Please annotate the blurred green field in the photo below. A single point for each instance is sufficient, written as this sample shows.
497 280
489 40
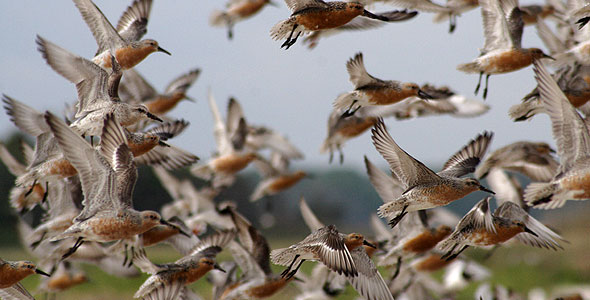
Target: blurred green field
516 267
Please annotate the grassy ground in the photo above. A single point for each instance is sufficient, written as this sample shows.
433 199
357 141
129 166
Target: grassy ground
517 267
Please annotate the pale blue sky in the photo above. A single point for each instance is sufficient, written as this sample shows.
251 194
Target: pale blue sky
290 90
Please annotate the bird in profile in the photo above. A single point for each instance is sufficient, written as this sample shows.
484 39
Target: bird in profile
11 272
502 51
423 188
369 90
97 90
236 11
570 182
125 40
108 178
532 159
139 90
479 227
314 15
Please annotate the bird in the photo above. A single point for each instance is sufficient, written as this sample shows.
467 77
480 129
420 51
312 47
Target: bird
356 24
125 40
108 178
326 245
236 11
424 188
257 137
479 227
251 255
139 90
572 80
276 176
64 277
11 272
368 282
369 90
21 198
170 279
502 51
312 15
342 129
571 136
229 158
97 90
532 159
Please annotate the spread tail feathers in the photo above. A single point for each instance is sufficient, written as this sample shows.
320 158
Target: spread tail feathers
283 29
348 102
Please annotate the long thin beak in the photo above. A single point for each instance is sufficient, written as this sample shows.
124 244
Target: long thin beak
369 244
483 188
42 273
548 56
154 117
217 267
371 15
551 150
189 99
163 144
164 222
160 49
528 230
423 95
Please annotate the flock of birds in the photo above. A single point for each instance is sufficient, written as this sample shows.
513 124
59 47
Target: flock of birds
82 170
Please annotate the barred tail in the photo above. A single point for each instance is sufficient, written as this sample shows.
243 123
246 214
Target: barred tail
392 208
348 101
283 29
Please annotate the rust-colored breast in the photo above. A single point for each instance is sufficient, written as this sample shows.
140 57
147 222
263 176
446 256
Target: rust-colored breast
578 182
482 237
353 129
233 163
326 19
426 240
509 61
157 234
142 148
62 167
128 56
111 229
443 194
10 275
385 96
247 9
269 288
578 100
164 104
195 273
431 263
285 182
